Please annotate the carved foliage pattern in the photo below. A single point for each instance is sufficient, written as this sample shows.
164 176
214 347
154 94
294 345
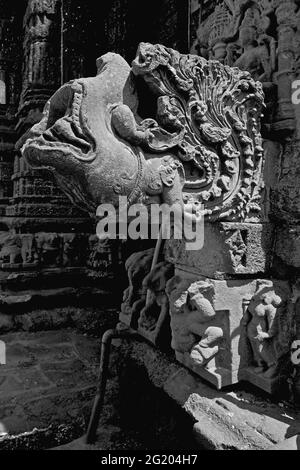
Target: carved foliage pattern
216 110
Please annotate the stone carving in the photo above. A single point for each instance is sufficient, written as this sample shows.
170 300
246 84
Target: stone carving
11 249
203 145
145 302
268 321
138 267
199 143
258 50
259 36
195 336
49 248
259 55
154 318
103 256
262 328
60 250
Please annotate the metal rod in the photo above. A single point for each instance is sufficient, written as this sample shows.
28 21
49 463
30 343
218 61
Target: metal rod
102 379
155 259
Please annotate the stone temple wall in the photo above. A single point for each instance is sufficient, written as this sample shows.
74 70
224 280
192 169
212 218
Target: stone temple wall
45 241
263 38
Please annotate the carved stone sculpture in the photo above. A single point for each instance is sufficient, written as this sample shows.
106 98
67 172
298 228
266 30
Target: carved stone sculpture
138 267
154 319
259 36
11 249
203 144
195 333
262 328
268 322
176 129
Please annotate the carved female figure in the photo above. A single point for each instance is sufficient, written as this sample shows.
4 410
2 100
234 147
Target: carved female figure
262 328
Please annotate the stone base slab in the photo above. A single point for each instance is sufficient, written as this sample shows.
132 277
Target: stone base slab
269 385
239 419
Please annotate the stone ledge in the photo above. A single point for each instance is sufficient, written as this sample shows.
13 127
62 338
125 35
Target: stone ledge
236 419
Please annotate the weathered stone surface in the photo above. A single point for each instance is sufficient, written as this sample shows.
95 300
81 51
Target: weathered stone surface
203 148
85 319
293 443
246 35
222 420
48 378
182 139
286 197
215 325
287 246
229 249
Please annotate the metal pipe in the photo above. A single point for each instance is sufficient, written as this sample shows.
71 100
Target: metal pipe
105 354
155 260
102 378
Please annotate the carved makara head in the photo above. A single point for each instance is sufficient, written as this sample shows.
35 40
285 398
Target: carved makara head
75 139
103 137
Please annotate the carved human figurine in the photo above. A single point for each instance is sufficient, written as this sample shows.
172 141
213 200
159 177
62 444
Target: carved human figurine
193 321
256 58
200 313
10 248
156 311
49 248
138 266
262 328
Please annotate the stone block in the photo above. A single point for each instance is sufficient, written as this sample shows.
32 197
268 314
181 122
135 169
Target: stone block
287 246
270 385
229 249
216 324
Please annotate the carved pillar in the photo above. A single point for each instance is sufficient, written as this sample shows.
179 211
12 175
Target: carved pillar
46 233
36 197
38 204
10 71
